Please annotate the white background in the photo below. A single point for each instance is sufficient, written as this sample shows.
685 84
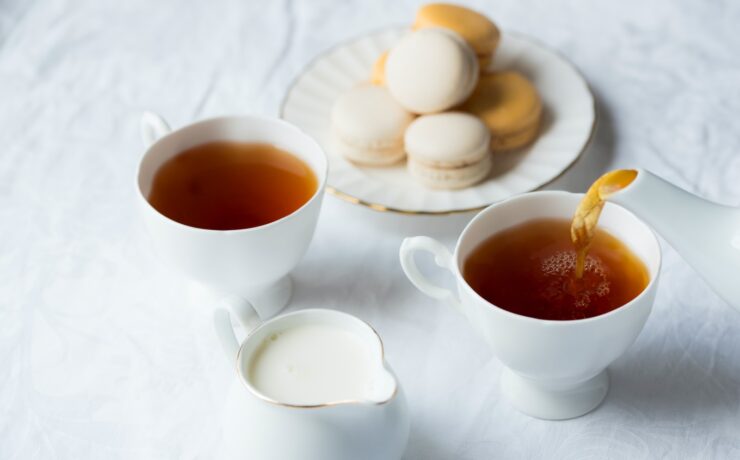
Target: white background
107 354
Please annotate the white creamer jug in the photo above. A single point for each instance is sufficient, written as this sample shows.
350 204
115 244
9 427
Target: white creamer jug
280 409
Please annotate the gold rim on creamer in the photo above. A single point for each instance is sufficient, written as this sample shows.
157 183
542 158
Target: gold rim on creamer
266 398
344 196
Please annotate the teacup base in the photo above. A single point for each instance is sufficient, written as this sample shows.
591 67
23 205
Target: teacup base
271 300
544 402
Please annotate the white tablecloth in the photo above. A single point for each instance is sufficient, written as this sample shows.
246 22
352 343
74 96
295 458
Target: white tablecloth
104 353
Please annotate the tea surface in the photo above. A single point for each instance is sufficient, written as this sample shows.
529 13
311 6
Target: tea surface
529 269
231 185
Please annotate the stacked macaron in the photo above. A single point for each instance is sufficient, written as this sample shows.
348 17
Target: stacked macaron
448 150
431 70
440 66
510 106
369 125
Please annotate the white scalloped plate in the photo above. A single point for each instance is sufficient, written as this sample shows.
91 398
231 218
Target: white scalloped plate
569 121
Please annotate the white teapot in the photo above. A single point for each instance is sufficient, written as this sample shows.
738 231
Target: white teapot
706 234
257 426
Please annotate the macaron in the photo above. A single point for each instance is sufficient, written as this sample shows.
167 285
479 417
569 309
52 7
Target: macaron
448 150
378 75
368 126
510 106
475 28
431 70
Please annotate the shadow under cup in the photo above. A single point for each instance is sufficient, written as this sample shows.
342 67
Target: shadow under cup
251 263
556 369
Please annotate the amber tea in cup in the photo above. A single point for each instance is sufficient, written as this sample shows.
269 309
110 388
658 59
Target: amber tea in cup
227 185
530 269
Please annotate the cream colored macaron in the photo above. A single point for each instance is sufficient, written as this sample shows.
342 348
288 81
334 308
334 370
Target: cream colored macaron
431 70
368 126
448 150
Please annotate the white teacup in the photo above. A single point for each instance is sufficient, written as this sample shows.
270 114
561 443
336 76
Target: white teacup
553 369
249 266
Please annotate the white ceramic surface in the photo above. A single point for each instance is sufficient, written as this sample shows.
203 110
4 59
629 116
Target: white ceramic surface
256 427
569 120
554 369
251 264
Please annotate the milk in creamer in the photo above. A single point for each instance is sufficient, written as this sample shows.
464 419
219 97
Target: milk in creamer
313 364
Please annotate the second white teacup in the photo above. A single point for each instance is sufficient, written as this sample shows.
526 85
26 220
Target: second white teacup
248 266
553 369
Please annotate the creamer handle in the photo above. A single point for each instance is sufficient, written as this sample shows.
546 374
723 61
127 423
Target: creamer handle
244 312
153 127
442 257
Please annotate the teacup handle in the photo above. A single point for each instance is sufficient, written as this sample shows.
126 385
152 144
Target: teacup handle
153 127
245 314
442 257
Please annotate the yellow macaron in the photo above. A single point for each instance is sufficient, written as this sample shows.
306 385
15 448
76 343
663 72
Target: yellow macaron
475 28
378 75
510 106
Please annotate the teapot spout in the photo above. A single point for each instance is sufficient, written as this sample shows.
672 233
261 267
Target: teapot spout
706 234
